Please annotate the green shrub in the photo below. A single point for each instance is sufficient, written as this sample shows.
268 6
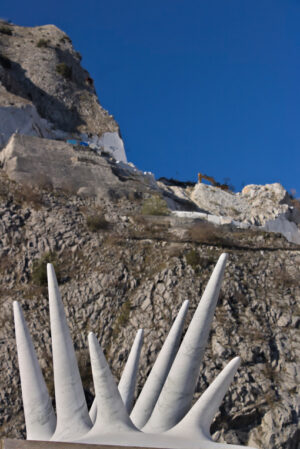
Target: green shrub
5 30
97 222
64 70
26 194
39 268
192 258
124 313
196 261
42 43
155 205
203 232
123 318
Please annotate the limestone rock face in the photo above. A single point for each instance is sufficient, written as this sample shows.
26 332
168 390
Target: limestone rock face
268 206
112 143
40 65
255 204
35 161
127 272
59 165
218 202
266 201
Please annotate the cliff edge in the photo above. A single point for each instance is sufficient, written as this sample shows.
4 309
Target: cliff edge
45 92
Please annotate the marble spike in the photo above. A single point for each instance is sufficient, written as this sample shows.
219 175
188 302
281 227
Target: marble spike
177 393
39 415
112 415
114 426
199 419
93 411
72 414
127 382
156 379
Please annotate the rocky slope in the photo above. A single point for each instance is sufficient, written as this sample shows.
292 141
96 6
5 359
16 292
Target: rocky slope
120 271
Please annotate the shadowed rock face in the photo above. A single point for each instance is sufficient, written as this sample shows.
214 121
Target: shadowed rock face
40 64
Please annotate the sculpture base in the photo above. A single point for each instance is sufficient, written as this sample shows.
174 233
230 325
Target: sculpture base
8 443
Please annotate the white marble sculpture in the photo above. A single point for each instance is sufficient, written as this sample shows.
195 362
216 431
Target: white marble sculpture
162 416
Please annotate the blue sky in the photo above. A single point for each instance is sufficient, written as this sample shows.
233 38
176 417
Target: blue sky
195 85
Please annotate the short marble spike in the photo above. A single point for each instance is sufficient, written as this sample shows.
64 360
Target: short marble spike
127 382
128 379
39 414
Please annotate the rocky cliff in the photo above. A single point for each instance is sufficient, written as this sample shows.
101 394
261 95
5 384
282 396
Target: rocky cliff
44 91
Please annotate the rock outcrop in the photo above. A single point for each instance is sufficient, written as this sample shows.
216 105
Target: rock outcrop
269 207
53 164
255 204
19 114
45 91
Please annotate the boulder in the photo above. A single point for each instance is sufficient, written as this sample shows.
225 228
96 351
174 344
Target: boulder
268 206
219 202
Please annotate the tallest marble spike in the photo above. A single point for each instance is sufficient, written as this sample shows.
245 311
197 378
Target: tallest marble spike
72 414
177 393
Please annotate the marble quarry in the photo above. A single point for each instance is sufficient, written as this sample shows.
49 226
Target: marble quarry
161 417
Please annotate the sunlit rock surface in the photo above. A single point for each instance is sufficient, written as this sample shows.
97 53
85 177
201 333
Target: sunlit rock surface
53 164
